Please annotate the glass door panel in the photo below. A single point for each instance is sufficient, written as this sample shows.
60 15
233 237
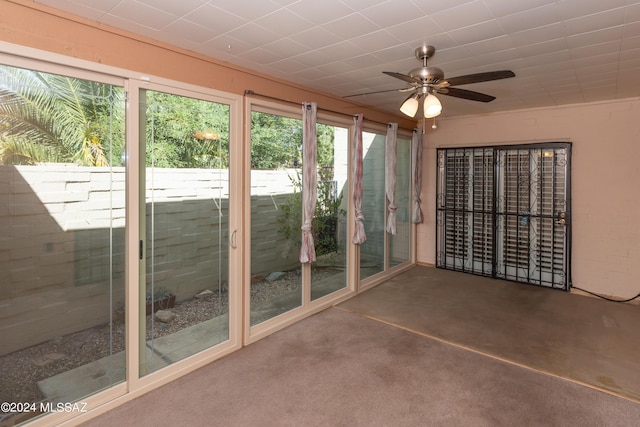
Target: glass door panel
276 209
62 247
400 243
329 228
372 252
184 309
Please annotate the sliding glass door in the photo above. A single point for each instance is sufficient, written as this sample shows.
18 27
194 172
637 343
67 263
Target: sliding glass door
278 284
62 239
184 303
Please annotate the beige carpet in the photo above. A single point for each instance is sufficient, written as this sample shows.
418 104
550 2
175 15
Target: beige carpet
341 369
584 339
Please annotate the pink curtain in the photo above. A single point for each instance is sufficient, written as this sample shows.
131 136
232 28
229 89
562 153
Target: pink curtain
309 180
416 175
359 235
390 160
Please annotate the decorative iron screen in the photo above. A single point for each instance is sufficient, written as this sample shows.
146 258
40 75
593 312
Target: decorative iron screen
504 212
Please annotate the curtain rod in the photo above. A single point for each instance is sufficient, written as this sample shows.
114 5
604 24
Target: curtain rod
251 92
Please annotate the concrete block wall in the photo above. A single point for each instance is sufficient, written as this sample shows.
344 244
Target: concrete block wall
62 241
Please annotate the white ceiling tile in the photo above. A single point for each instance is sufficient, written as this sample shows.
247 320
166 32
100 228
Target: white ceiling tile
254 34
606 52
632 13
556 45
575 8
188 31
599 93
431 7
215 18
630 56
482 31
504 58
359 5
491 45
285 3
502 8
179 8
288 66
377 40
595 22
284 22
631 30
354 25
227 46
595 37
289 45
631 43
538 17
336 68
341 51
319 12
127 25
309 75
313 58
317 37
104 5
260 56
397 54
422 27
538 34
247 9
142 15
391 13
363 61
462 16
91 10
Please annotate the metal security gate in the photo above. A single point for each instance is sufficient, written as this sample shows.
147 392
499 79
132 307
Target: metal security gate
504 212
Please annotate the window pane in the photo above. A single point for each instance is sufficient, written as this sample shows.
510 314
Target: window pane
62 219
185 305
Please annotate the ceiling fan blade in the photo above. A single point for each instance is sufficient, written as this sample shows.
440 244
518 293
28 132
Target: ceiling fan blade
404 89
466 94
404 77
478 77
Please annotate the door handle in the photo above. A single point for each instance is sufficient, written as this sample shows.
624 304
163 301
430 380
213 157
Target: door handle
561 218
232 239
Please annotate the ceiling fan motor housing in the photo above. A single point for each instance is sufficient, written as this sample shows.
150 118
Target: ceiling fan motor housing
428 75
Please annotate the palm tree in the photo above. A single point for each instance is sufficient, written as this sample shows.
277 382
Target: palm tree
52 118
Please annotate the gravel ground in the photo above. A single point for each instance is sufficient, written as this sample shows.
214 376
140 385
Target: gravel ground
20 371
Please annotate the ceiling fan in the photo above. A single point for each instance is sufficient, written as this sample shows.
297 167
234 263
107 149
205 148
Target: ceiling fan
426 81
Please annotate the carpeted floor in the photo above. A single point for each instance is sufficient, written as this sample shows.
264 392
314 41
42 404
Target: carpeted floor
338 368
584 339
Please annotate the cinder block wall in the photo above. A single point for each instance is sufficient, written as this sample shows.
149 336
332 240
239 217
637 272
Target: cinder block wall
62 242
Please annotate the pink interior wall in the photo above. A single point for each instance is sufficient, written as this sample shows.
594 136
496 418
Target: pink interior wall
605 179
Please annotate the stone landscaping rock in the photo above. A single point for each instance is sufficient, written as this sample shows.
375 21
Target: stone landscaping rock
276 275
48 358
165 316
204 294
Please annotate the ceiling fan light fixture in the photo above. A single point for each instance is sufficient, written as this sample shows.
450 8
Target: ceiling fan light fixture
432 106
410 105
